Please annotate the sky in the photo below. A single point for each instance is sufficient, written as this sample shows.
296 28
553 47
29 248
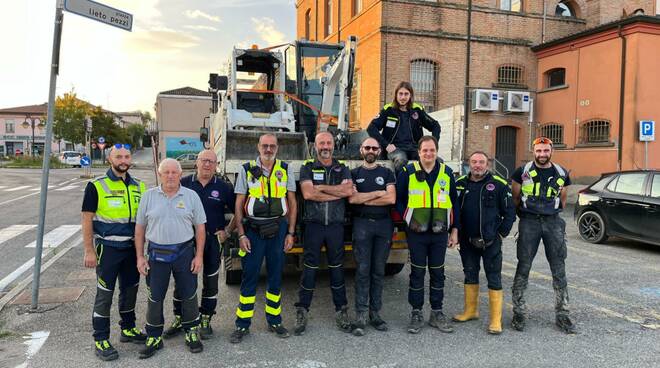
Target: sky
174 43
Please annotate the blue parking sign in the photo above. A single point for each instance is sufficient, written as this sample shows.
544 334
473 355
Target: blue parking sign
85 161
647 131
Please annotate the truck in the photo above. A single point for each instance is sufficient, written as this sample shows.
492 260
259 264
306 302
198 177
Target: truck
293 91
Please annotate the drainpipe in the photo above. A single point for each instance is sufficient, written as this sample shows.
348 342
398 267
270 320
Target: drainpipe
545 12
621 97
385 78
316 21
338 21
466 92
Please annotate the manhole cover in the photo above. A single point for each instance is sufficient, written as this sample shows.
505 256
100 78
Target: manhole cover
51 295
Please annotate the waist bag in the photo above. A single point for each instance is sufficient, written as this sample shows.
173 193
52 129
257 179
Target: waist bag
167 253
266 229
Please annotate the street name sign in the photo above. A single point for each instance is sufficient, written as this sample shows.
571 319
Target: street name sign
101 13
84 161
647 130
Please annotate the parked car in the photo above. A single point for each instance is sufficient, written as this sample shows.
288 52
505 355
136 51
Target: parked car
624 204
187 160
70 158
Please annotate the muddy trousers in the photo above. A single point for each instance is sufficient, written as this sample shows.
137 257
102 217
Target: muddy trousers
371 248
531 230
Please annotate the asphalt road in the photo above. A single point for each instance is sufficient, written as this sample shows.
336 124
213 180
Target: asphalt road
614 291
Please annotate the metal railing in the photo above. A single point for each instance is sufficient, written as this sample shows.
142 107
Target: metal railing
497 165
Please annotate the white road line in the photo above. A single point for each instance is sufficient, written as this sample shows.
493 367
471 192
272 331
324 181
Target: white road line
17 188
14 231
3 186
68 187
57 236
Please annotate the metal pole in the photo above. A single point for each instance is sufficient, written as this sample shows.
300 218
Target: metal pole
646 155
54 71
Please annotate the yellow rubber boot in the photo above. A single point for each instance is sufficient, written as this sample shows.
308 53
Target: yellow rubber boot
471 309
495 301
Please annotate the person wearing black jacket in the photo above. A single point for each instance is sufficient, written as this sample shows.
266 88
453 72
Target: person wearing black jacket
398 126
487 215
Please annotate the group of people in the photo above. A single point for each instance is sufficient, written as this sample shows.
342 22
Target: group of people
182 221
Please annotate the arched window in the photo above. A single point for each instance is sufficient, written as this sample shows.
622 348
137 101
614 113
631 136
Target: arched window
555 77
423 77
356 7
511 75
595 131
308 23
553 131
567 8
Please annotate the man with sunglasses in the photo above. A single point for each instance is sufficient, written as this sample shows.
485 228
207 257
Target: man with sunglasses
109 209
266 211
539 193
217 197
375 193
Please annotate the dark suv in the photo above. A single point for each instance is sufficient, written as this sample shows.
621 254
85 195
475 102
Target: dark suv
624 204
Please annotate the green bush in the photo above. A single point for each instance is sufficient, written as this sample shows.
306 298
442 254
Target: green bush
35 161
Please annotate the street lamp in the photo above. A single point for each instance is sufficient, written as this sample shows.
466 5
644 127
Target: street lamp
32 123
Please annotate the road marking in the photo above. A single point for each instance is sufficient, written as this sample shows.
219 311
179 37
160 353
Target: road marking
35 341
68 187
614 259
17 188
57 236
14 231
39 187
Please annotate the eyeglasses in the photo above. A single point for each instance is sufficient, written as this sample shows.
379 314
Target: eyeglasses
371 148
541 140
122 145
207 161
269 146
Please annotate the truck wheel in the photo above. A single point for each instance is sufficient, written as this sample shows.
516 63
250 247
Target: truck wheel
233 277
392 269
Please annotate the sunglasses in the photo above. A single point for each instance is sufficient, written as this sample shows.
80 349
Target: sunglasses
122 145
371 148
541 140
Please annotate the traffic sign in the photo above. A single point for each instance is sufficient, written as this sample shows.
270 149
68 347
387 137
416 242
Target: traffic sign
93 145
101 140
100 13
647 131
85 161
100 145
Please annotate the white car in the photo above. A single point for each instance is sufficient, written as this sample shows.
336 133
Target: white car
70 158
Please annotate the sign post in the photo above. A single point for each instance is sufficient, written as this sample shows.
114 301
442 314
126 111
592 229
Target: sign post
646 135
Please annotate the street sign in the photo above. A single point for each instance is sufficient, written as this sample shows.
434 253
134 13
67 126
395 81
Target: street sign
84 161
101 140
647 131
101 146
100 13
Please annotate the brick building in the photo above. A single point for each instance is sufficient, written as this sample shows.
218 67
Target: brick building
426 43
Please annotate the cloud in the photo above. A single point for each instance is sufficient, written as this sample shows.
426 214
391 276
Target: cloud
194 14
161 39
253 3
265 28
200 28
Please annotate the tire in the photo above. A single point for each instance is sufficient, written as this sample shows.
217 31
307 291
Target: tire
392 269
233 277
591 227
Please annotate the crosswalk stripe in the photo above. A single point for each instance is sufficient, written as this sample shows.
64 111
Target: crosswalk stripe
14 231
17 188
68 187
57 236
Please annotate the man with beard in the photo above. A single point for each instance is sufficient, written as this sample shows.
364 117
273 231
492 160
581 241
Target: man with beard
266 211
217 197
487 215
539 193
171 218
109 208
325 183
372 234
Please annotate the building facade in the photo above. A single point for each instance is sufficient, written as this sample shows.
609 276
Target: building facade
594 89
426 43
179 115
19 138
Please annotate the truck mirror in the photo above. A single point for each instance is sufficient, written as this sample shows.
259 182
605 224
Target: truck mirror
204 134
218 82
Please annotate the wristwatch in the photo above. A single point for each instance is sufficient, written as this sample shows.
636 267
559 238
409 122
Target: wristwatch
291 233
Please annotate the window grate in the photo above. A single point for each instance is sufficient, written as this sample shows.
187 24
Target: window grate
555 132
511 74
595 131
555 77
423 79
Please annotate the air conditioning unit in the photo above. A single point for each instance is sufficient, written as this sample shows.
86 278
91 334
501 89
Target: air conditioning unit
516 101
485 100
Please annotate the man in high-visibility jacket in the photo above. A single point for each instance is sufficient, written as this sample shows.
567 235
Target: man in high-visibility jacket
109 208
266 213
539 193
426 198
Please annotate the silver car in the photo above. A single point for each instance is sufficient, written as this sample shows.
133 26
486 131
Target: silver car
188 160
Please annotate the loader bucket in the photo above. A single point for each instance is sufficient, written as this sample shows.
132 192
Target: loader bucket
242 145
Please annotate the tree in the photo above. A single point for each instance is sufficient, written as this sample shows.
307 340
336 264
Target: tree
103 125
135 133
69 119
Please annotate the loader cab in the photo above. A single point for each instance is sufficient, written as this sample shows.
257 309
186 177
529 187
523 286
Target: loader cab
256 70
305 68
